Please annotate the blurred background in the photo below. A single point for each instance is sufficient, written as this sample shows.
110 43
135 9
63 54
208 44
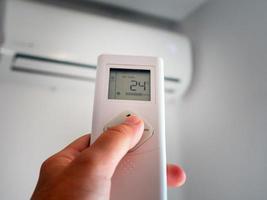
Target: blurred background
215 83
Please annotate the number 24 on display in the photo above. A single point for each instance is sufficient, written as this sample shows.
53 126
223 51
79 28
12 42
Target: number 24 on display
135 84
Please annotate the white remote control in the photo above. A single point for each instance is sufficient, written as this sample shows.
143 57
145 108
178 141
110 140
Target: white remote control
127 85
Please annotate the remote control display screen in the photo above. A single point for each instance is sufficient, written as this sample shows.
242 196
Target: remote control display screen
129 84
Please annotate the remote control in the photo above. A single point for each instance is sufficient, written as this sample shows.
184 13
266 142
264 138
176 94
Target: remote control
134 85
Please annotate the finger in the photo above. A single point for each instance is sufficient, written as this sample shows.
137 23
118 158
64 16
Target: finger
79 144
74 149
113 144
65 156
176 176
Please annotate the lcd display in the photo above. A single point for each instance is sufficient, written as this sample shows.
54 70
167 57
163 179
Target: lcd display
129 84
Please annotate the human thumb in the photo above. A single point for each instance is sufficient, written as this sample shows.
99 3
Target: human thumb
111 146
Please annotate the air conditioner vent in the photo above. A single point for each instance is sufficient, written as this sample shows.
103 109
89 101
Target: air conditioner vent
52 67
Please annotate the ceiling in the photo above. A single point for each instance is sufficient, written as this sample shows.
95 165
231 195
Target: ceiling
171 9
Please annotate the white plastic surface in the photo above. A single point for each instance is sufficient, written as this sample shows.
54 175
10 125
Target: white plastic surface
55 68
41 29
142 173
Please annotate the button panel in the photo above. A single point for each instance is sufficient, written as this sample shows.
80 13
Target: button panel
148 130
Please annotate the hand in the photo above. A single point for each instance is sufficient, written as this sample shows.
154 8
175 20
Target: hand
80 172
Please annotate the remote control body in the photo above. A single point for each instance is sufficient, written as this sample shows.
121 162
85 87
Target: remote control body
134 85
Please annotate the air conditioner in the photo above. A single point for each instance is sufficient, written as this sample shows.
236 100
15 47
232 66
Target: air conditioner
41 38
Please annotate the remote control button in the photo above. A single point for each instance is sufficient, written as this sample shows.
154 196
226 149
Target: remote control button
148 130
118 120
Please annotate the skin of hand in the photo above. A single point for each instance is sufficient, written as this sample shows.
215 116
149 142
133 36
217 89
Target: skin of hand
81 172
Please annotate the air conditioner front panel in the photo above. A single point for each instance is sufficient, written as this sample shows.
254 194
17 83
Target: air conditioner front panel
59 33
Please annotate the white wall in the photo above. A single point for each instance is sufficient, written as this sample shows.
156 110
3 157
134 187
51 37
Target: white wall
224 117
1 21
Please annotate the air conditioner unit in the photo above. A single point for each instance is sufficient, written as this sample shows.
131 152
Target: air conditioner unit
41 38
